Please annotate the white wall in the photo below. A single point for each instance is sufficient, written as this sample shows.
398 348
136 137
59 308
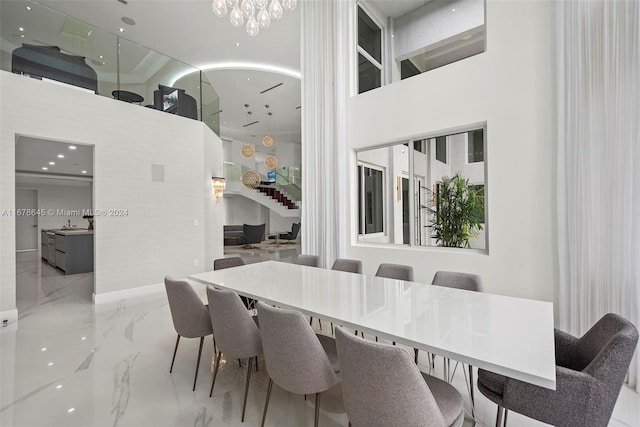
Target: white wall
433 23
159 236
239 210
512 87
58 197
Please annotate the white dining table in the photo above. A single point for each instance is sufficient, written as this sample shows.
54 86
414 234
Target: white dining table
506 335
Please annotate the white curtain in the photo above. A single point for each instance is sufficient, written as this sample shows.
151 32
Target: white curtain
324 52
598 55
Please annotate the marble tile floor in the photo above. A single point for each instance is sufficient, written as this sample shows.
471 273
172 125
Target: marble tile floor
70 363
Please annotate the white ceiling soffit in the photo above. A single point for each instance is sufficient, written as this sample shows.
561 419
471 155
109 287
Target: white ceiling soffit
32 154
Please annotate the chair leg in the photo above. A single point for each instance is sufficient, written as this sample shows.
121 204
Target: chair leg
266 403
320 323
415 352
499 416
472 394
198 363
174 354
310 321
506 412
317 417
246 388
215 372
256 363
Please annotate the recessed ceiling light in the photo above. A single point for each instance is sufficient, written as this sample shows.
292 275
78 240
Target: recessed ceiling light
21 29
453 10
248 78
59 386
28 7
121 30
101 57
70 410
44 349
72 147
84 172
50 364
44 168
22 35
61 156
52 163
237 44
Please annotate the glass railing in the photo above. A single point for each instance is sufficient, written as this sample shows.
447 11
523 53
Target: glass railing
42 43
287 180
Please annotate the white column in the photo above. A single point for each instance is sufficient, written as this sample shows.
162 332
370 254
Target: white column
325 45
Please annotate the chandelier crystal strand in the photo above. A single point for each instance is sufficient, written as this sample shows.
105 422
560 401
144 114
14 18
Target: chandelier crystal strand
275 9
253 28
236 17
263 18
289 4
258 13
219 7
247 8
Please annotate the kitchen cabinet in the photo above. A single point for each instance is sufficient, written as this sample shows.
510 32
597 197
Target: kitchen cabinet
69 250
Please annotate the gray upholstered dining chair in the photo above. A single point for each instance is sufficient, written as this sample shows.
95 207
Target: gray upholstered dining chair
190 316
222 263
236 333
348 265
296 358
382 387
395 271
589 374
308 260
467 282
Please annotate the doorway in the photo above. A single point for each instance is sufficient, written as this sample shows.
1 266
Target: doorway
26 220
54 190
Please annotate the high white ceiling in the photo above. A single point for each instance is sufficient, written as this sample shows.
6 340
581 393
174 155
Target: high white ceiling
189 31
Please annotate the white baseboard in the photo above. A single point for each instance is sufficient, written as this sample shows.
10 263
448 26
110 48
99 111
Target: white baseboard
11 318
141 292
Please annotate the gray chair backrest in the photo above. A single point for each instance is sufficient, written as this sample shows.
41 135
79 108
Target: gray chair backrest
452 279
222 263
254 233
395 271
294 357
295 229
310 260
382 386
237 335
348 265
190 316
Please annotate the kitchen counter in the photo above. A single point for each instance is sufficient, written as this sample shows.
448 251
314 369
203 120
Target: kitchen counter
70 250
69 232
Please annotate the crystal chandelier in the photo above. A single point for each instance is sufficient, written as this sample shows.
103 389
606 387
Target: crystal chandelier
258 13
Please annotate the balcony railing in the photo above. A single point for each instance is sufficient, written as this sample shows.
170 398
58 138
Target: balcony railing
42 43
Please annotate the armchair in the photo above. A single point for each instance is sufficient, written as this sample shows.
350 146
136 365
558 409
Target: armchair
293 234
589 374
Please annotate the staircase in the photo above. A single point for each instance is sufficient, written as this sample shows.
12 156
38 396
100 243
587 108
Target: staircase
277 196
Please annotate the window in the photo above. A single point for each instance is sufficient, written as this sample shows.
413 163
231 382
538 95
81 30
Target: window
422 192
475 146
441 149
369 53
371 200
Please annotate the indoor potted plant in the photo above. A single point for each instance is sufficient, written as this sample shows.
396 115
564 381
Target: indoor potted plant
456 212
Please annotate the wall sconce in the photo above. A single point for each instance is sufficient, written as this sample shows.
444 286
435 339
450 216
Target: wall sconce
218 185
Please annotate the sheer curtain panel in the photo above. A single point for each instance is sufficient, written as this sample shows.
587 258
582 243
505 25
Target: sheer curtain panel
598 62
